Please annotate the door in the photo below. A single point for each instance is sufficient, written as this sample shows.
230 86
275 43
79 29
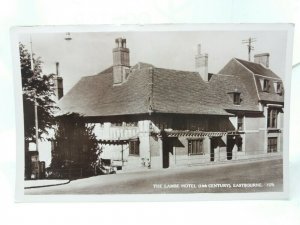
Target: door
230 145
167 149
212 149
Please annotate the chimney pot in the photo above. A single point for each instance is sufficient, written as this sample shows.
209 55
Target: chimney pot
121 62
57 68
201 61
58 84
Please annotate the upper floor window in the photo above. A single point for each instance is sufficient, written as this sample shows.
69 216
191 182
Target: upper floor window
278 88
266 85
272 117
240 123
236 98
131 124
117 124
197 124
162 123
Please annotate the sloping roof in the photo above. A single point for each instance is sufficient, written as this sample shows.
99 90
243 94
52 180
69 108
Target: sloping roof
96 95
257 68
259 72
177 91
226 84
147 89
271 95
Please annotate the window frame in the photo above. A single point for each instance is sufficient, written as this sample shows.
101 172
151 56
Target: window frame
272 118
197 144
272 141
266 85
134 147
236 98
278 88
240 120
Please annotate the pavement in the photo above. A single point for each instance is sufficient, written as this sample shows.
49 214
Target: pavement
43 183
258 176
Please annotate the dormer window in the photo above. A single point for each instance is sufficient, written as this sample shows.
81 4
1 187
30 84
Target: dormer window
236 98
278 88
266 85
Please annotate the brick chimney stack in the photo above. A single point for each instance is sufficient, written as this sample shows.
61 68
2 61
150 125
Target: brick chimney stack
262 58
121 63
58 83
201 62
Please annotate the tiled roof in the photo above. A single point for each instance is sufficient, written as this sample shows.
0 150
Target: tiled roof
234 67
147 89
226 84
258 69
96 95
177 91
271 95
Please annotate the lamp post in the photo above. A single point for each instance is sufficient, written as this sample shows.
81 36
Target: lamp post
35 101
36 122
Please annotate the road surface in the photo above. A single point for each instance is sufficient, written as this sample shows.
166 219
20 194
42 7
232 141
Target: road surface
262 176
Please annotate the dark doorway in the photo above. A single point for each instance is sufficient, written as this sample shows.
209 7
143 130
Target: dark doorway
212 149
230 145
167 148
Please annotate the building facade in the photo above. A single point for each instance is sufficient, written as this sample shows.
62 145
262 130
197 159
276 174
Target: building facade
149 117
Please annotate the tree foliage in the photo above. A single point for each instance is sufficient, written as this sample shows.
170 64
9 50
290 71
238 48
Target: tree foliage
36 87
74 146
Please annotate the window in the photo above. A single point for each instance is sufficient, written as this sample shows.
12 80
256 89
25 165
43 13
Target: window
239 144
117 124
195 147
272 144
266 86
162 123
236 98
272 118
278 88
240 123
132 124
196 124
134 147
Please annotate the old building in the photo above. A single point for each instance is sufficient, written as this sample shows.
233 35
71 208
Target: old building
149 117
37 167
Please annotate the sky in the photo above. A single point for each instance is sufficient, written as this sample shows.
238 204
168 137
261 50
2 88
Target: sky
90 53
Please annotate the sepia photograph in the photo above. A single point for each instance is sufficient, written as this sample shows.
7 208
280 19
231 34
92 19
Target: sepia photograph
185 110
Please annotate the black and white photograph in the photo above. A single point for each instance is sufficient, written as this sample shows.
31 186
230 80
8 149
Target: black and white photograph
128 111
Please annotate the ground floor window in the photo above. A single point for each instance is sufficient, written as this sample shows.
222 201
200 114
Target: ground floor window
134 147
272 144
239 144
195 147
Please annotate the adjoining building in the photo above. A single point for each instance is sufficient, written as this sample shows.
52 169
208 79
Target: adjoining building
37 167
150 117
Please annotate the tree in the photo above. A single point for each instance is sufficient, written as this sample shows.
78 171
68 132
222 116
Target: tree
74 147
38 88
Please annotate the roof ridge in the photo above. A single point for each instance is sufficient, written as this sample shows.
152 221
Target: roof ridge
186 71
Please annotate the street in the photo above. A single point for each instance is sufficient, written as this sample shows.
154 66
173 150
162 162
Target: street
261 176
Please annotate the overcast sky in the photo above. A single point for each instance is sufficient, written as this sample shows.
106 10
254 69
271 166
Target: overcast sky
90 53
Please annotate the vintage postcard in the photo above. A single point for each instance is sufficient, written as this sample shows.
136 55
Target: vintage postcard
152 112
